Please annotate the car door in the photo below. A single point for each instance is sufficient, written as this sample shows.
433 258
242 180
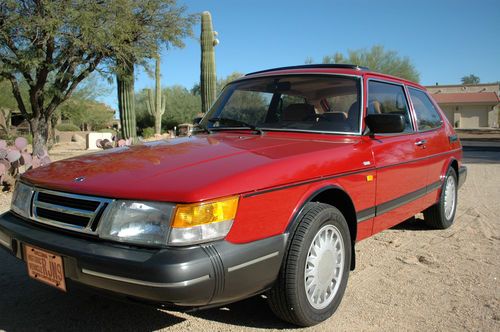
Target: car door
401 177
431 133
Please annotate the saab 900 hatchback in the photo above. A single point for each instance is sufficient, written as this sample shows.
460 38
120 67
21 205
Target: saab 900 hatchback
286 172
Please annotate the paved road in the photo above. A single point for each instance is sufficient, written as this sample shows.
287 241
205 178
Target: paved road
485 152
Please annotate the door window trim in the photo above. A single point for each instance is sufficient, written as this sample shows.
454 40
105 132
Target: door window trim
406 95
415 112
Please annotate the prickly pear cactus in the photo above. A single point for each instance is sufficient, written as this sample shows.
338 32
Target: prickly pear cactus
208 78
16 159
106 144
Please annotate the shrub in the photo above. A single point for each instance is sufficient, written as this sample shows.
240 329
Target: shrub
67 127
148 132
107 130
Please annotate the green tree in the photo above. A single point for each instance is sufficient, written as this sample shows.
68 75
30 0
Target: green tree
378 59
87 114
221 83
181 106
8 104
470 79
82 108
7 100
54 45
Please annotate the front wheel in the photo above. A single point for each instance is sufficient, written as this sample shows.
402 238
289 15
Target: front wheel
442 214
315 270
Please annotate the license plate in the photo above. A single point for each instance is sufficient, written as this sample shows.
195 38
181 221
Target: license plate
45 266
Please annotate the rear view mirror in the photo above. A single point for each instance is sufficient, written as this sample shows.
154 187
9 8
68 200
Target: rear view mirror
279 87
385 123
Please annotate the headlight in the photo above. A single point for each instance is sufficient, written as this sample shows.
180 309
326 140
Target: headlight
137 222
201 222
21 199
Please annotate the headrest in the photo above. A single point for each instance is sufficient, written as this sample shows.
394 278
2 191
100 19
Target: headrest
353 110
298 112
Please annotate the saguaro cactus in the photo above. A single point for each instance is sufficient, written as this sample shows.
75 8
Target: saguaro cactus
126 104
156 104
208 78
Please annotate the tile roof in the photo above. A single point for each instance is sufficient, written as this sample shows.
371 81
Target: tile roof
466 97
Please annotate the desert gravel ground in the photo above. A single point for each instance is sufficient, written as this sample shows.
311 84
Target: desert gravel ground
407 278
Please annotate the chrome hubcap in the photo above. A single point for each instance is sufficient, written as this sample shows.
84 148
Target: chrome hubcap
324 267
449 197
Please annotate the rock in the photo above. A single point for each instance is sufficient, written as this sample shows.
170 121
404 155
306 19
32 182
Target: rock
77 138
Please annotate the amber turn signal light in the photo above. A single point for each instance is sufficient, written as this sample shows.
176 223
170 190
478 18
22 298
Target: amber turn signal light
189 215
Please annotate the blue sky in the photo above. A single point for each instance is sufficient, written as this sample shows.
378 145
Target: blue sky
445 39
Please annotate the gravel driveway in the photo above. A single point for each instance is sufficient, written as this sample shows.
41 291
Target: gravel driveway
407 278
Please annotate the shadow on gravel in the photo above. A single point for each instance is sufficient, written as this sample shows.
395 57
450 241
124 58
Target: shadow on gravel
412 224
27 305
253 312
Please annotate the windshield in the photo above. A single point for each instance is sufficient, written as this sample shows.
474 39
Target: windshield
293 102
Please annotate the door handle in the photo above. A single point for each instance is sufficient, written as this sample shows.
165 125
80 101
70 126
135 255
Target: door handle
420 142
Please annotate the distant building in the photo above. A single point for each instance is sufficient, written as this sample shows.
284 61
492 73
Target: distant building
469 106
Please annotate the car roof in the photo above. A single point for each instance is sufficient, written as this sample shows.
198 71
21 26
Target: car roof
346 69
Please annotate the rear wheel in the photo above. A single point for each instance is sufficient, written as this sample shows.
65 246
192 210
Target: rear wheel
315 270
442 214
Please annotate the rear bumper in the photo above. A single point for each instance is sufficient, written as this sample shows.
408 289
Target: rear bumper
462 175
197 276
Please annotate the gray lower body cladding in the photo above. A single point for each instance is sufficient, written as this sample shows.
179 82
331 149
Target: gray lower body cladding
197 276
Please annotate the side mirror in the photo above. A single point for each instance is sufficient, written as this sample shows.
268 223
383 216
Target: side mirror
197 120
385 123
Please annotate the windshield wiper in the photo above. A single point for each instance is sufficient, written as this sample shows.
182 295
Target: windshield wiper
237 123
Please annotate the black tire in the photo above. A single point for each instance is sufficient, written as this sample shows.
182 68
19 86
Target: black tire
288 298
435 216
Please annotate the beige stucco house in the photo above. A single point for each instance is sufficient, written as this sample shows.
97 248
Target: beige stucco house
469 106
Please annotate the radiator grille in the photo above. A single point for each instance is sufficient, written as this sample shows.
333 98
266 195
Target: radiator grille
69 211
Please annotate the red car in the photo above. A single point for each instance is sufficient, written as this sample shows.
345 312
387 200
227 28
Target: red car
287 171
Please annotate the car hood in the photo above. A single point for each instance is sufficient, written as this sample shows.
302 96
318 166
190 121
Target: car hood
196 168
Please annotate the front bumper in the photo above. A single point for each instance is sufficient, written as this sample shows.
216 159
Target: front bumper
201 275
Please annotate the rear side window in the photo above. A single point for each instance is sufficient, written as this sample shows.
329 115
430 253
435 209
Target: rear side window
427 114
390 99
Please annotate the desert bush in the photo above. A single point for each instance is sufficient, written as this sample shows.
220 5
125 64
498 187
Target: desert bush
148 132
108 130
67 127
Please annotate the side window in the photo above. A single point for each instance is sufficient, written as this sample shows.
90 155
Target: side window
388 98
427 115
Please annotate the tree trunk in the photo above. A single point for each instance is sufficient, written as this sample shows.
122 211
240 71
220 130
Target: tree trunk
40 134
